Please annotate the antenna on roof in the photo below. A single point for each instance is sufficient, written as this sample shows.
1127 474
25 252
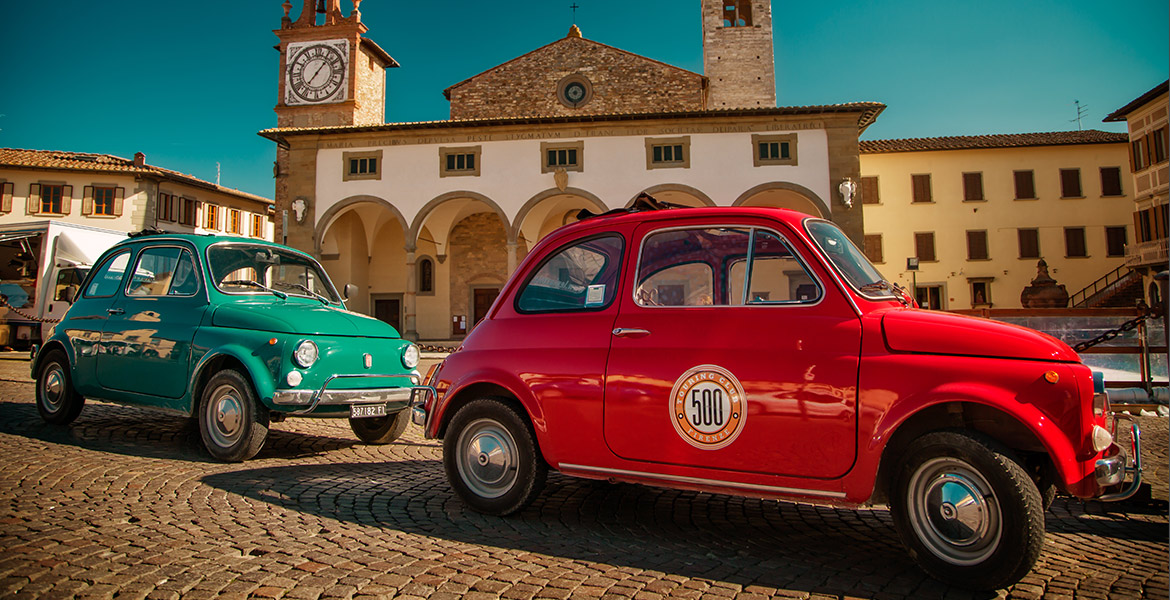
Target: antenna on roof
217 173
1080 113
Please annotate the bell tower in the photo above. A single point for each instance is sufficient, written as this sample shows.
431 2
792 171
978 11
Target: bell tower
330 75
737 53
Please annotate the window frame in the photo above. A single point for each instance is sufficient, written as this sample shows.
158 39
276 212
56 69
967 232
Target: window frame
684 142
870 190
1109 243
98 269
257 220
1069 242
419 276
1120 185
927 188
210 219
474 151
933 246
775 138
986 283
970 192
366 155
881 254
191 254
1020 242
578 145
986 245
618 264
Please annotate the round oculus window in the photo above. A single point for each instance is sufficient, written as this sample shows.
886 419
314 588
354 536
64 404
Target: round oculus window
574 91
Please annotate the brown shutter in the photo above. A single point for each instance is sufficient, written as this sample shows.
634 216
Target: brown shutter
976 245
869 190
924 246
6 197
66 199
119 196
873 247
87 200
972 186
33 202
921 187
1132 157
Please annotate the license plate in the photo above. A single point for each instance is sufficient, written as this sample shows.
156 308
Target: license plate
358 411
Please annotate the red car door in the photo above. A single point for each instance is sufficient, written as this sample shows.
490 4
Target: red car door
707 371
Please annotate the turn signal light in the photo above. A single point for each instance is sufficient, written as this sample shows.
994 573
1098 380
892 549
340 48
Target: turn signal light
1052 377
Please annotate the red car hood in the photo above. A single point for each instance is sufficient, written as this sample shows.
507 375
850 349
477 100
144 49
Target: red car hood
931 332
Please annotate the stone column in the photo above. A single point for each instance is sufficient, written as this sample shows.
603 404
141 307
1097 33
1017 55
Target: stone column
511 245
410 298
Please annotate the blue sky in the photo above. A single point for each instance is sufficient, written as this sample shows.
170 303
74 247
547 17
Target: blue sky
190 84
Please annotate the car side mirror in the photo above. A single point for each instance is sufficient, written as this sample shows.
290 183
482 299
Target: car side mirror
349 291
66 295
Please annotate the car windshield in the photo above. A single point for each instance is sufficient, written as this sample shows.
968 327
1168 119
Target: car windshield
253 268
850 262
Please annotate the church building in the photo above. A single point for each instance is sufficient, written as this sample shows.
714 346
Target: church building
429 219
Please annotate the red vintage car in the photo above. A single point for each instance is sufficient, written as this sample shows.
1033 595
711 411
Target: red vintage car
756 352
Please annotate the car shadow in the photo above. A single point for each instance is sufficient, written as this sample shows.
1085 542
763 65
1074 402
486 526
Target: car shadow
142 432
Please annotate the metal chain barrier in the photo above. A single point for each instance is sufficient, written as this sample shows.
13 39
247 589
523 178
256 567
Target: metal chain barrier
1150 312
4 302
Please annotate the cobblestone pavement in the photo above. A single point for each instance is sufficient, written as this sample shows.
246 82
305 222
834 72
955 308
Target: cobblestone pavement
125 504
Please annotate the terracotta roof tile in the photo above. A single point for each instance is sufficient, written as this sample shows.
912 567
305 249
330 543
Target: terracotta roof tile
1009 140
106 163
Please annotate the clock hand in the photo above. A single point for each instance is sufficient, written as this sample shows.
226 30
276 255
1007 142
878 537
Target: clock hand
314 76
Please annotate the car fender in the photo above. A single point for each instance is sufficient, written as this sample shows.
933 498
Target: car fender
256 371
1049 434
49 346
456 390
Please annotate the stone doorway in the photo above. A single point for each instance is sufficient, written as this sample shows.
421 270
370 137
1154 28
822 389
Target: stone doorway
482 299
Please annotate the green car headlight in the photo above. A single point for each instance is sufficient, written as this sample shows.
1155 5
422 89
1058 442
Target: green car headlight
410 356
305 354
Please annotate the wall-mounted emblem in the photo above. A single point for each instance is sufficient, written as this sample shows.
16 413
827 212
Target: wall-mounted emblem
708 407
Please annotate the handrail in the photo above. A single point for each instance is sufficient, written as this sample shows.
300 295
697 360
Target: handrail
1097 286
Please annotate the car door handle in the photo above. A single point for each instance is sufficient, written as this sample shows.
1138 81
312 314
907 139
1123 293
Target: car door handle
624 331
115 311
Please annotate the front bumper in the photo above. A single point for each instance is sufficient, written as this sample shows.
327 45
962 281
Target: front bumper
1113 470
311 399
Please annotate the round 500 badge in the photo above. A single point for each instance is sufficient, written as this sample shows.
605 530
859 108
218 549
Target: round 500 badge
707 407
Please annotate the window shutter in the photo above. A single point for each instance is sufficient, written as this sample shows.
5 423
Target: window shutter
924 246
6 197
972 186
87 200
869 190
66 199
119 195
33 202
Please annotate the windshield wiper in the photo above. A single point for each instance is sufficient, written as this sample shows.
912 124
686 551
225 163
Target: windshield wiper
305 288
249 282
898 291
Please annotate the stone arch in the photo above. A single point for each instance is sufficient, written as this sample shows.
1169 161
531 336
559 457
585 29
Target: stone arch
421 217
665 191
514 230
786 195
340 208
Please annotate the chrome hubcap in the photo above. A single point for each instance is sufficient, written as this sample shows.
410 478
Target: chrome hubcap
954 511
53 388
487 458
225 415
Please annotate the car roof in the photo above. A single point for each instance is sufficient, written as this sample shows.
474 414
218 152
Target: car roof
635 215
200 241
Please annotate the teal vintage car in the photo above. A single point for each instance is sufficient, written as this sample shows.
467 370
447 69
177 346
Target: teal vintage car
235 333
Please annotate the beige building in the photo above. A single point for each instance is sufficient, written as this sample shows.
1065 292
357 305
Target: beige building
124 195
979 212
430 219
1149 164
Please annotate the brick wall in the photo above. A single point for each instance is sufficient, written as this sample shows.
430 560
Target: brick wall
477 253
739 61
621 83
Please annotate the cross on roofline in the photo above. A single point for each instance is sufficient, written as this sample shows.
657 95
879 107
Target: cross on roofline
574 7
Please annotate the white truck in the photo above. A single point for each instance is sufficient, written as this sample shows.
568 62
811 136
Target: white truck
42 265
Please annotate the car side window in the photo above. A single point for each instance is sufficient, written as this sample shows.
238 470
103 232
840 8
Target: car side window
776 276
685 267
581 276
164 271
108 278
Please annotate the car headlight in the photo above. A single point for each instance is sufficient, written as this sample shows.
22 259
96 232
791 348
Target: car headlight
305 354
1101 438
410 356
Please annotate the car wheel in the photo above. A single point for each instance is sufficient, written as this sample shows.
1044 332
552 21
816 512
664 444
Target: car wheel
491 458
232 423
968 512
57 401
380 430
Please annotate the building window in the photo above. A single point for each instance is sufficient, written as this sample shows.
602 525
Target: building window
924 247
233 221
457 162
930 297
1070 183
873 248
668 153
102 201
1139 154
165 210
1074 242
920 184
361 165
186 212
426 276
737 13
568 156
1115 240
211 217
777 149
972 187
49 199
977 245
1158 145
1025 185
980 291
257 226
1029 243
869 190
1111 181
6 190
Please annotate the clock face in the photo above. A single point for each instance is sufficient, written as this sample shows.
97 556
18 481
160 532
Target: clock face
317 72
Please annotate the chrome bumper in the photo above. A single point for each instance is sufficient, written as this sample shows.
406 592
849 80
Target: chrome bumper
419 414
1113 470
311 399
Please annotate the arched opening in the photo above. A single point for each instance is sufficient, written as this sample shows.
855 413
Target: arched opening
683 195
785 195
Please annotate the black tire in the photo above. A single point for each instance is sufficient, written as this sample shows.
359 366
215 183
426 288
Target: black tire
232 422
990 539
57 401
491 458
381 430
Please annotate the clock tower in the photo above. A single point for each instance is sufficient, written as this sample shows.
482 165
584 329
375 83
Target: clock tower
330 75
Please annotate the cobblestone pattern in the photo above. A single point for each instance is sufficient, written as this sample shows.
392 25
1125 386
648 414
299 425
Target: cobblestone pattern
126 504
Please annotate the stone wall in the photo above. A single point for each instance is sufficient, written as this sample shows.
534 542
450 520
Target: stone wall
738 61
620 82
478 256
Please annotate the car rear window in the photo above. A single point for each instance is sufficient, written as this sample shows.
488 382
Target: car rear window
580 276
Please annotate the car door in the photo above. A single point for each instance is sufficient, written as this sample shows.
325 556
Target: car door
729 352
146 341
86 319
